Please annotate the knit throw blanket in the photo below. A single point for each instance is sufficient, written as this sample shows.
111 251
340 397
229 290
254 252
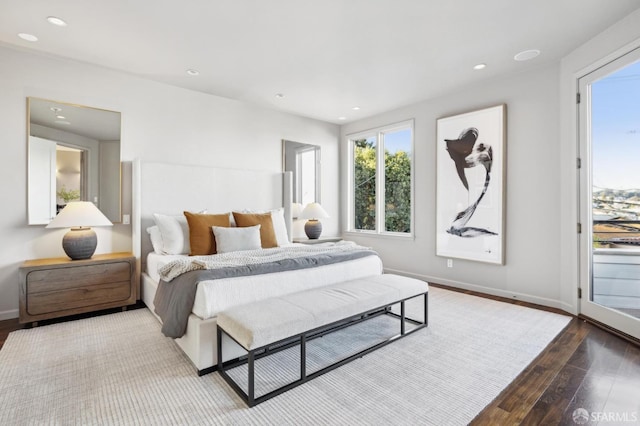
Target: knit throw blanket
252 257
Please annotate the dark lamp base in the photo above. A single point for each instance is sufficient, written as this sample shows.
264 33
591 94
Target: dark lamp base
80 243
313 229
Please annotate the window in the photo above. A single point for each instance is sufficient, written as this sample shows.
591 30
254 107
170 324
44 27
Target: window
381 180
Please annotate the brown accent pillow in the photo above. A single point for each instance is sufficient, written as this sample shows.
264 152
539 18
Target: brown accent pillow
267 234
201 236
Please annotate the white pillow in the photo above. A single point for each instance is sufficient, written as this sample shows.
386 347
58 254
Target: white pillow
156 238
236 239
174 231
279 226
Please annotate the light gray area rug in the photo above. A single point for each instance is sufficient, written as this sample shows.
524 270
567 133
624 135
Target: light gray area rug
119 369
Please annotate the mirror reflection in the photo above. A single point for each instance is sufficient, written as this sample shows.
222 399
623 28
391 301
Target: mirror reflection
74 155
303 160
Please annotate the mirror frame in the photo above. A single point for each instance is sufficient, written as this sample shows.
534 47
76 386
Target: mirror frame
113 217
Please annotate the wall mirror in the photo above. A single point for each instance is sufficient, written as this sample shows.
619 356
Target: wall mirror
303 160
73 155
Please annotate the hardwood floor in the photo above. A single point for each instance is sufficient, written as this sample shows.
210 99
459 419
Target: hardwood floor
7 327
583 367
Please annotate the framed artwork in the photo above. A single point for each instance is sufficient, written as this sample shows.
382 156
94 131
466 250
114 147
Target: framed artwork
470 194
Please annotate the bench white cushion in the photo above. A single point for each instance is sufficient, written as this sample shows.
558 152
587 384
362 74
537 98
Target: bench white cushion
267 321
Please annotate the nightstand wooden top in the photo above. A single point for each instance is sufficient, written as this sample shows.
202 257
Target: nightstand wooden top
106 257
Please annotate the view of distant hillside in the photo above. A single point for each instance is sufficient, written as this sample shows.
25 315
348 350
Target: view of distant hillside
616 218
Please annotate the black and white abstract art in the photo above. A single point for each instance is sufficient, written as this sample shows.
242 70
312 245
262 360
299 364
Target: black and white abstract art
470 217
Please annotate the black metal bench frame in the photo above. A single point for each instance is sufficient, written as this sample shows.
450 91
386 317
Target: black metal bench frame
301 339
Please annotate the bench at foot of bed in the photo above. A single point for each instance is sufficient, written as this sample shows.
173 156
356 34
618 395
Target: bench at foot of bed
274 324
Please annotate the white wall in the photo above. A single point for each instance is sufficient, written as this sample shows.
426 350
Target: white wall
532 269
159 123
109 181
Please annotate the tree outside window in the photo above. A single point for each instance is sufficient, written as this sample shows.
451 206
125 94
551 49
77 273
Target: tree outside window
382 180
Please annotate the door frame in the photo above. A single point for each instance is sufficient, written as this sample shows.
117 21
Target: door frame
608 316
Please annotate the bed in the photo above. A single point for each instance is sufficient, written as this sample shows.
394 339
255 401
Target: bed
170 189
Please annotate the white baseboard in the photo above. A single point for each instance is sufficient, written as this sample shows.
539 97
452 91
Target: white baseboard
5 315
573 310
551 303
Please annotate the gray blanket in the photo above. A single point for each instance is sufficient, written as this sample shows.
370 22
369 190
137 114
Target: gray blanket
174 300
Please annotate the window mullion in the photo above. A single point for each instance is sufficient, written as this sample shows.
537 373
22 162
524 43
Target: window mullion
380 187
351 196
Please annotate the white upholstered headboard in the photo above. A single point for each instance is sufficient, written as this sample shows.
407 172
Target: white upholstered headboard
173 188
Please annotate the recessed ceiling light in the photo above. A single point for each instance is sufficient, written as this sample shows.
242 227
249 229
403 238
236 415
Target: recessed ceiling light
342 118
279 95
66 123
55 109
355 108
479 66
60 117
525 55
56 21
191 71
28 37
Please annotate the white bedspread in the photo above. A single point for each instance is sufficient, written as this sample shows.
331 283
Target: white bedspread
218 295
215 296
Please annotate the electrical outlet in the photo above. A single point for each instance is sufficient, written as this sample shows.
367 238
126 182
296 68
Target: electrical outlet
449 263
126 219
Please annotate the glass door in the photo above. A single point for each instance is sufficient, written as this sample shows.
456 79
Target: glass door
609 179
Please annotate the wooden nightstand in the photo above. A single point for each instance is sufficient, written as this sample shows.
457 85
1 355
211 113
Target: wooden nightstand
317 241
52 288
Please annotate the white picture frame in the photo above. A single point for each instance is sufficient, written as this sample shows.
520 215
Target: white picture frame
471 185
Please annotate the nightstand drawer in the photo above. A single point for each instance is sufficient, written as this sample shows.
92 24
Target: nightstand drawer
81 297
57 287
76 277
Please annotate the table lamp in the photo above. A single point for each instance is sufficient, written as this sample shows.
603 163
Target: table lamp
81 241
313 227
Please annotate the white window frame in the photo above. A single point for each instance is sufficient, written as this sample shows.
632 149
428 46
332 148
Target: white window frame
379 133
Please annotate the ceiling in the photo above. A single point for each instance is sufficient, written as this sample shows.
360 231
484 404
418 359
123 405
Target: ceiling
324 56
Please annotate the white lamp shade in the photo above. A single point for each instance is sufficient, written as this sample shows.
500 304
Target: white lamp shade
79 213
313 211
